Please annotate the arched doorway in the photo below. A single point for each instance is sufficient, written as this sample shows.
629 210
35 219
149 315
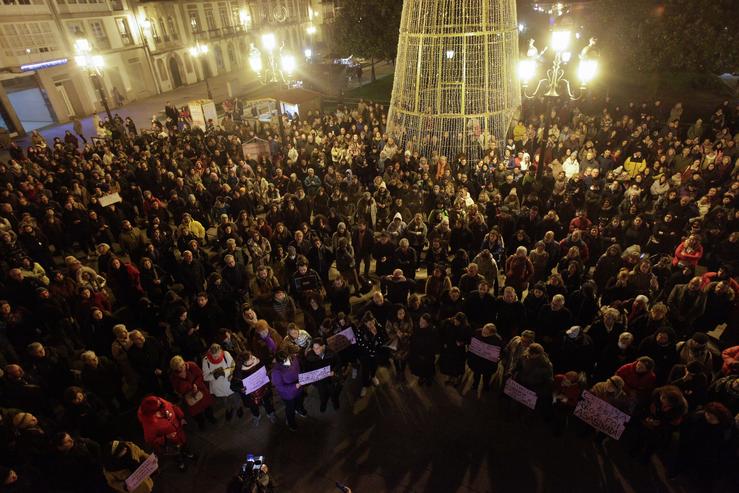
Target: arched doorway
175 71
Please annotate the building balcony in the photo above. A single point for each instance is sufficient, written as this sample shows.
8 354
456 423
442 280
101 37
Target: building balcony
24 10
219 32
84 8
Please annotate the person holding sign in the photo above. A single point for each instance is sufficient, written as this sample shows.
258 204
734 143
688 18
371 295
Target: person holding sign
535 372
120 460
285 376
483 368
247 364
320 357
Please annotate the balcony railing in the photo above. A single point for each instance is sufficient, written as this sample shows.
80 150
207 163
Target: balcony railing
81 8
33 9
220 32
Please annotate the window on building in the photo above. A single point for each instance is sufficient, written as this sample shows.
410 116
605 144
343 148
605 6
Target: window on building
76 29
172 28
219 58
100 37
154 31
163 28
162 70
194 21
210 20
19 39
123 31
232 59
225 18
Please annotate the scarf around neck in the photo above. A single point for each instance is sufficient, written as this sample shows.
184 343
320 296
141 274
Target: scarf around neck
216 360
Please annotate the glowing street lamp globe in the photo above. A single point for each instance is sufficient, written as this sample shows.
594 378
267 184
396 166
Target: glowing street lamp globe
269 42
560 40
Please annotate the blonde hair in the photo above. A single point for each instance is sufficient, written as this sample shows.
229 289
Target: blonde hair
176 362
88 356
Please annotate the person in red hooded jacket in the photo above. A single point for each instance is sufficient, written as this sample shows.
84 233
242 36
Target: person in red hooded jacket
163 424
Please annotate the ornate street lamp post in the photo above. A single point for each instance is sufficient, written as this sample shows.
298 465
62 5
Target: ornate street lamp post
199 51
93 65
554 84
277 71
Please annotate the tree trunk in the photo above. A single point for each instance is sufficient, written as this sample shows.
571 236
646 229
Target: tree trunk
372 61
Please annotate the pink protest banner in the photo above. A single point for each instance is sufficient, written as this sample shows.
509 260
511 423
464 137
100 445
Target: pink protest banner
314 376
341 340
519 393
256 380
142 472
601 415
484 350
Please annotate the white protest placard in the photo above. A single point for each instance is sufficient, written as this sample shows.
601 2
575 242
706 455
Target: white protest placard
341 340
601 415
111 198
314 376
484 350
519 393
142 472
256 380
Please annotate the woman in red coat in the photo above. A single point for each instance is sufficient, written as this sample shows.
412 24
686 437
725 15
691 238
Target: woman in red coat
163 424
187 381
689 252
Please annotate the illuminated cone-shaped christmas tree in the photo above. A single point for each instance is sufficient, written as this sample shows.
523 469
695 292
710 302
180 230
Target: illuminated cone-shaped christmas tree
455 87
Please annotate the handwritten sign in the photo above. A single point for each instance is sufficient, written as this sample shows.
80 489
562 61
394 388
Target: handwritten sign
484 350
314 376
519 393
601 415
111 198
341 340
142 472
256 380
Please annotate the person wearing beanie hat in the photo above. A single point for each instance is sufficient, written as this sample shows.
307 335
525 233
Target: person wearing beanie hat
163 425
695 349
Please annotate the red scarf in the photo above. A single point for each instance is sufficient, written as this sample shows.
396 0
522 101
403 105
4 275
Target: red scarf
215 361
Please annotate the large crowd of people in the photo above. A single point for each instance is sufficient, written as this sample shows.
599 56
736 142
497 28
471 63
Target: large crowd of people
146 274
